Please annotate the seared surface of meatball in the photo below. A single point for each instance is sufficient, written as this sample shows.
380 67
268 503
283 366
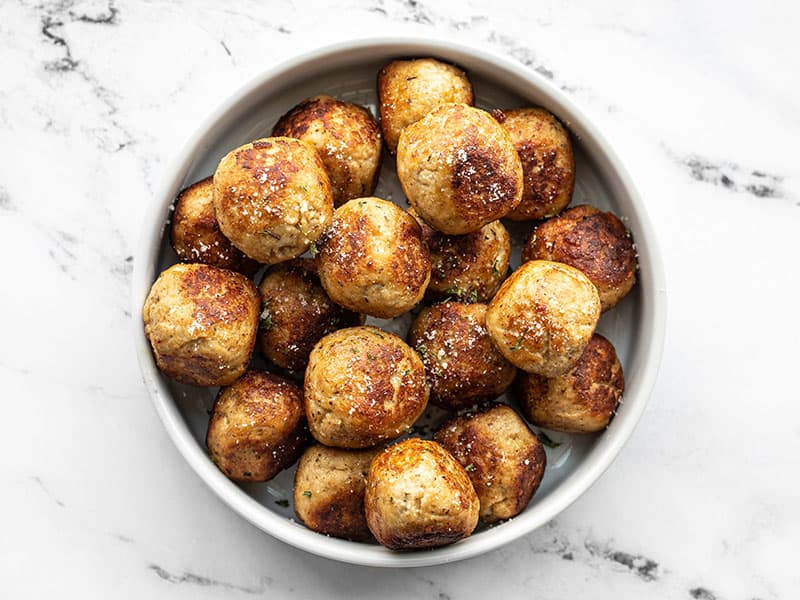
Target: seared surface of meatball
363 386
345 136
543 316
468 267
504 459
273 198
296 313
372 259
195 234
548 164
410 89
419 496
459 169
201 322
462 364
593 241
257 427
329 491
583 399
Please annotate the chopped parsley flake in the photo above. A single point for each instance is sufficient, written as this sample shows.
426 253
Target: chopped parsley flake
282 502
545 439
307 493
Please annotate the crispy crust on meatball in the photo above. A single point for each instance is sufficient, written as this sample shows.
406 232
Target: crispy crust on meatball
273 198
296 313
459 169
201 322
548 163
347 139
543 316
372 260
582 400
363 386
195 234
593 241
257 427
419 496
504 459
329 491
462 364
410 89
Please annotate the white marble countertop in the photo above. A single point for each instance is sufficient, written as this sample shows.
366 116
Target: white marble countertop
699 98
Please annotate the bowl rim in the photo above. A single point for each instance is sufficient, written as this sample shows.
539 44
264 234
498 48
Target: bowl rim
291 532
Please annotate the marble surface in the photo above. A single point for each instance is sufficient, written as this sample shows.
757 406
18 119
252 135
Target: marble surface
700 100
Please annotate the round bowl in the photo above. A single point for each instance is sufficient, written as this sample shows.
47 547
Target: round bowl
348 70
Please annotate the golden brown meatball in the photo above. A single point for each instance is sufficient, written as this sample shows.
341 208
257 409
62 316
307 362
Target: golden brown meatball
548 164
593 241
257 427
419 496
363 386
409 89
543 316
462 364
372 260
202 322
329 491
195 234
468 267
346 138
296 313
583 399
273 198
504 459
459 169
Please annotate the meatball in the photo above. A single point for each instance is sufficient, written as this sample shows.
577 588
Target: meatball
593 241
363 386
372 260
467 267
419 496
462 364
201 322
329 491
296 313
504 459
548 164
195 233
273 198
346 138
257 427
583 399
459 169
543 316
410 89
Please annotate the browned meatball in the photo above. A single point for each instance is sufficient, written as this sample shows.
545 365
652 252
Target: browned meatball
468 267
583 399
273 198
593 241
202 322
346 138
410 89
372 260
502 456
363 386
195 234
296 313
257 427
419 496
462 364
329 491
548 163
459 169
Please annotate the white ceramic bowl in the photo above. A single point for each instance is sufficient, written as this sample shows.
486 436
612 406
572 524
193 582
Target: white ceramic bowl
348 70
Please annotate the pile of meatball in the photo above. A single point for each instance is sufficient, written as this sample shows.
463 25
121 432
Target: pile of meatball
478 328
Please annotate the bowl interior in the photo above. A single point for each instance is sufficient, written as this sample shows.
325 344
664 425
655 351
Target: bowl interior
349 73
